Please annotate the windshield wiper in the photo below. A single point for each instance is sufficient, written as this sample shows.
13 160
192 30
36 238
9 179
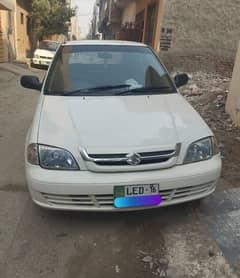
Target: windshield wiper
95 89
143 90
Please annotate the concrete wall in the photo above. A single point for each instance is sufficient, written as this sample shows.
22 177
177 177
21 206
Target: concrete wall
233 101
203 28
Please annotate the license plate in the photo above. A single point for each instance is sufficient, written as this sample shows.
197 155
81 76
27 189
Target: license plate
141 190
136 195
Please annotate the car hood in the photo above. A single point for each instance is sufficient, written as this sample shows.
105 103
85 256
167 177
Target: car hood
119 123
43 52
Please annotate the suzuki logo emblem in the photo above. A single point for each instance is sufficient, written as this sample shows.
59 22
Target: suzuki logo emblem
133 159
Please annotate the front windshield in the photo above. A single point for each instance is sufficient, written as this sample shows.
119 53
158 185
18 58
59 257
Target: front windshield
48 45
106 70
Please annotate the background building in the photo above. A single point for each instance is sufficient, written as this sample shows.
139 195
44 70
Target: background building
7 43
93 30
74 30
17 41
188 34
22 30
14 30
135 20
200 34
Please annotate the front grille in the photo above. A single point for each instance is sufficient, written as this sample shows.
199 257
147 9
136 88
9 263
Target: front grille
108 160
80 200
183 192
106 200
122 159
45 57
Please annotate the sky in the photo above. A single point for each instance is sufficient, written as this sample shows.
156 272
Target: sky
84 12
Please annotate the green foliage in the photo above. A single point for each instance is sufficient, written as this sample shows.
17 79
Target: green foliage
50 17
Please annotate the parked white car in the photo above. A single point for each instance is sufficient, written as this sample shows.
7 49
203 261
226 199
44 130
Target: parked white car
111 132
44 54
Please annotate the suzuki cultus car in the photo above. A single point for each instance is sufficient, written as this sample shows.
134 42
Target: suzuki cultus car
44 54
111 132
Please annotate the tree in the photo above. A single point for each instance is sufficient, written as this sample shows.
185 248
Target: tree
50 17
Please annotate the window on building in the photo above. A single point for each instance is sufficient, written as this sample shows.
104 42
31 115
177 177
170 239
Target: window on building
22 18
28 25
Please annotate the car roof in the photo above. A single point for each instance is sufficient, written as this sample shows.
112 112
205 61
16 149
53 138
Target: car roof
104 42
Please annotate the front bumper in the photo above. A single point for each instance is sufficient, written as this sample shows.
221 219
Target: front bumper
85 190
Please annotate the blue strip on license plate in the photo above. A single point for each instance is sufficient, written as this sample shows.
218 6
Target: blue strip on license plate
139 201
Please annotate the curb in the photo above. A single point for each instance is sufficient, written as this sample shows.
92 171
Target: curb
15 68
25 65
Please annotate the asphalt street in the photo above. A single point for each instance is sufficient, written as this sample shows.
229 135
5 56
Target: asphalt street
197 239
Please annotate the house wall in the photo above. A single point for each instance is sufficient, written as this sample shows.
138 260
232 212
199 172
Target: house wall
3 36
7 47
233 101
142 4
23 46
200 28
7 5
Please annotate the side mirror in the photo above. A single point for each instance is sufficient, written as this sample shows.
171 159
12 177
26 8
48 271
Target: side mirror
181 80
31 82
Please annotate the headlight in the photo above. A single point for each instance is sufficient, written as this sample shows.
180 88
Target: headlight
32 154
51 158
201 150
56 159
36 56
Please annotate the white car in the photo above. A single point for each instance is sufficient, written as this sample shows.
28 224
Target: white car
111 132
44 54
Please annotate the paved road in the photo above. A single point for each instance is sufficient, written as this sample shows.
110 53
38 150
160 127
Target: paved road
190 240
